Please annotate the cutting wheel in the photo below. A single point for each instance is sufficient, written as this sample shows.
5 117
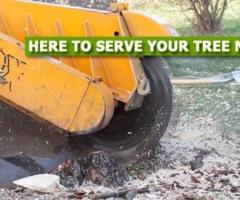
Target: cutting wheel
132 134
129 136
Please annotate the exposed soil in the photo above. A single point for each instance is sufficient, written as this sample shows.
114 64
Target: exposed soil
97 167
194 160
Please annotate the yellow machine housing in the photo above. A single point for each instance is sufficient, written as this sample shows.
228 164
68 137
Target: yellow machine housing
76 94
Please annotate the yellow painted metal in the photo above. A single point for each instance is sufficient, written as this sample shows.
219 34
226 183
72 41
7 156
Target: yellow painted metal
75 94
92 106
53 91
30 18
33 18
140 24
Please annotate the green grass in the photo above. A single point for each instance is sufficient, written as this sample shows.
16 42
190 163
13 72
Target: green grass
202 67
179 20
220 103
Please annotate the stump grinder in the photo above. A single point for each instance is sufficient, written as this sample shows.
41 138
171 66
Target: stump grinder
121 105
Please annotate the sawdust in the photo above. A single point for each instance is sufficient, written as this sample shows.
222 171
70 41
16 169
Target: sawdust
172 176
170 173
194 160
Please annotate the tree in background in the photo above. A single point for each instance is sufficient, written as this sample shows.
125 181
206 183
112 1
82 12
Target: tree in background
207 14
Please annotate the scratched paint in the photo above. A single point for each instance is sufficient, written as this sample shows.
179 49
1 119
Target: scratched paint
5 62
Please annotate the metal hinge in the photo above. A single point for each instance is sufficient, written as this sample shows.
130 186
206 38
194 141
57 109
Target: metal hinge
117 7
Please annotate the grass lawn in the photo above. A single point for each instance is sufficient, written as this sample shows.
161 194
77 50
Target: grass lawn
220 103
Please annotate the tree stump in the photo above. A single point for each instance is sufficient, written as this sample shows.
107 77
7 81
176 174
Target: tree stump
97 167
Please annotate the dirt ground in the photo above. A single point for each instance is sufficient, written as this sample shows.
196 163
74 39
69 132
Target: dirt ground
197 159
194 160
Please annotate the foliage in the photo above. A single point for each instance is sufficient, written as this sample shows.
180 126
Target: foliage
207 14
